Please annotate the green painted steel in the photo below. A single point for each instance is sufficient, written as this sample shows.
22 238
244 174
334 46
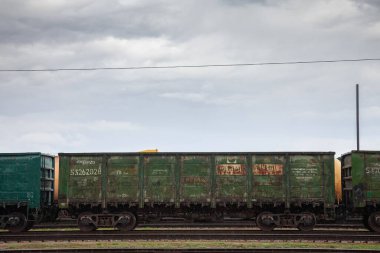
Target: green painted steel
231 178
80 179
293 178
123 179
195 184
159 179
306 177
361 175
26 178
268 177
196 178
311 178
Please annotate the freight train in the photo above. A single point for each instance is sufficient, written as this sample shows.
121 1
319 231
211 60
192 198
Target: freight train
276 189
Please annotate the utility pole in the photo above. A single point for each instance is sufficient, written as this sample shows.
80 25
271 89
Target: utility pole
357 118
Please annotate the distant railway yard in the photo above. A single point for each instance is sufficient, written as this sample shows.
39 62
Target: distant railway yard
213 238
195 234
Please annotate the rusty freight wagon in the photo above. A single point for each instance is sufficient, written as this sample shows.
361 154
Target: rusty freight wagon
26 189
361 187
293 189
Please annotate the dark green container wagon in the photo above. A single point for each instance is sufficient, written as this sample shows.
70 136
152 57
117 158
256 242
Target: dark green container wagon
361 187
291 189
26 189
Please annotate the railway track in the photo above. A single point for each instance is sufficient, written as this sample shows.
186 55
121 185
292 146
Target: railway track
256 250
73 224
110 235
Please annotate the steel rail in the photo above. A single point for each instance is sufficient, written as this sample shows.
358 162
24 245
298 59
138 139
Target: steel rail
215 250
342 236
72 224
190 231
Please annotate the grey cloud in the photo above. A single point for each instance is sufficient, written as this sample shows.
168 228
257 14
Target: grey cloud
370 3
24 22
245 2
295 107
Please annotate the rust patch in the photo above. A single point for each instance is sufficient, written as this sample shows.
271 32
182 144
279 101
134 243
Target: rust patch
268 169
231 169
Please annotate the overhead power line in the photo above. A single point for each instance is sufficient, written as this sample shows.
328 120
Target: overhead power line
190 66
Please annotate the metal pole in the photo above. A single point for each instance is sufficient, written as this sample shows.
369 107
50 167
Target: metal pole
357 118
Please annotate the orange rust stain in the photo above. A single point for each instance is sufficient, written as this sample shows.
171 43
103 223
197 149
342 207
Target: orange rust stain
268 169
231 169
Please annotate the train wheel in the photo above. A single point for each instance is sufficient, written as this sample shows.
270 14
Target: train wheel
374 222
17 222
265 221
307 222
85 222
126 222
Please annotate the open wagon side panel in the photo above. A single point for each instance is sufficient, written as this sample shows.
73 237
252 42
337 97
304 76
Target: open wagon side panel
361 187
26 189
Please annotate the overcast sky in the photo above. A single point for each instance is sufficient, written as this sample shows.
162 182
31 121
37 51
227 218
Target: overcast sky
308 107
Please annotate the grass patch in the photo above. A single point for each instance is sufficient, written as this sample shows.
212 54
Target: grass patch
168 244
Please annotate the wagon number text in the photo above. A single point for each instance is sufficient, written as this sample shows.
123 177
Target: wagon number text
85 172
372 170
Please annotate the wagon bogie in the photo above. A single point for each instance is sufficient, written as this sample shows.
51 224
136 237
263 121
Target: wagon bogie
90 221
